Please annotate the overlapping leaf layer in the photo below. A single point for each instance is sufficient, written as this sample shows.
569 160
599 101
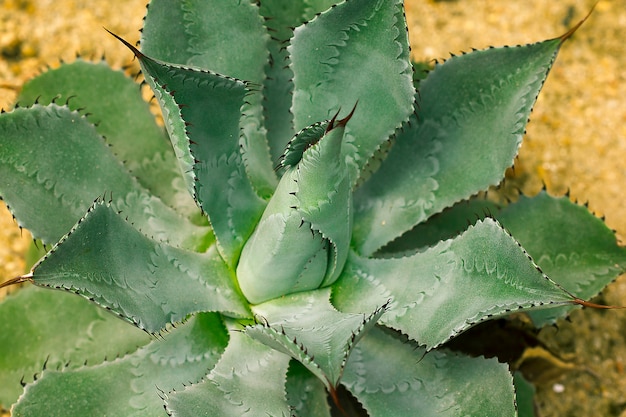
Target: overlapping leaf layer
351 227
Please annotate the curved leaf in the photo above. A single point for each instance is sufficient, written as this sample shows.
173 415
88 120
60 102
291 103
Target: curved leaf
307 327
572 246
393 378
210 106
281 18
303 238
147 283
53 161
438 293
225 37
133 384
472 114
249 379
328 55
114 105
49 329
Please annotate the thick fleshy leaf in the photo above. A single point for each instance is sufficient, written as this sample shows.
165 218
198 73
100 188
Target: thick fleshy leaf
308 328
280 19
134 384
472 114
210 107
114 104
438 293
49 329
306 394
249 380
145 282
393 378
52 160
225 37
572 246
303 238
328 55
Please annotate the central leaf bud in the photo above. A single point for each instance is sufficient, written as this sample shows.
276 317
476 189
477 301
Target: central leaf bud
302 240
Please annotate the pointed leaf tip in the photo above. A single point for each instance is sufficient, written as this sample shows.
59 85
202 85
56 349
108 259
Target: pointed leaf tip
17 280
135 51
573 30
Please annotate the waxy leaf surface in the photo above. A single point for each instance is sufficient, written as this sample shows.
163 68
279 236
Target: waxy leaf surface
471 114
131 385
328 55
571 245
51 329
147 283
53 160
210 110
249 380
438 293
308 328
384 375
113 104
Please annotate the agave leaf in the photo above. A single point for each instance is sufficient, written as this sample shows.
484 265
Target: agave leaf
187 33
306 393
472 114
572 246
54 161
237 49
449 287
249 379
307 327
347 38
385 377
73 332
130 385
116 108
280 19
145 282
303 238
209 107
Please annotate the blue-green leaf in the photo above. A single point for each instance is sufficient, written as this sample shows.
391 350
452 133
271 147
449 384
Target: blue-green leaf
114 104
52 160
472 113
132 384
394 378
41 328
572 246
249 379
307 327
210 108
147 283
438 293
328 55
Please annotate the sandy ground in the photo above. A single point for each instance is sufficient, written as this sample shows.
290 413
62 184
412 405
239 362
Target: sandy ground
576 139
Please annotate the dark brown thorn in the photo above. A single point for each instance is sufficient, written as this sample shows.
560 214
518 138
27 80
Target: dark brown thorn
570 32
345 120
333 394
135 51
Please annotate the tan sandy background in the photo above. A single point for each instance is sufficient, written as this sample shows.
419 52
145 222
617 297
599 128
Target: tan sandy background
576 139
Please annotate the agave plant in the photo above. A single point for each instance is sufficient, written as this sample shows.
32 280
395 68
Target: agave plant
304 228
